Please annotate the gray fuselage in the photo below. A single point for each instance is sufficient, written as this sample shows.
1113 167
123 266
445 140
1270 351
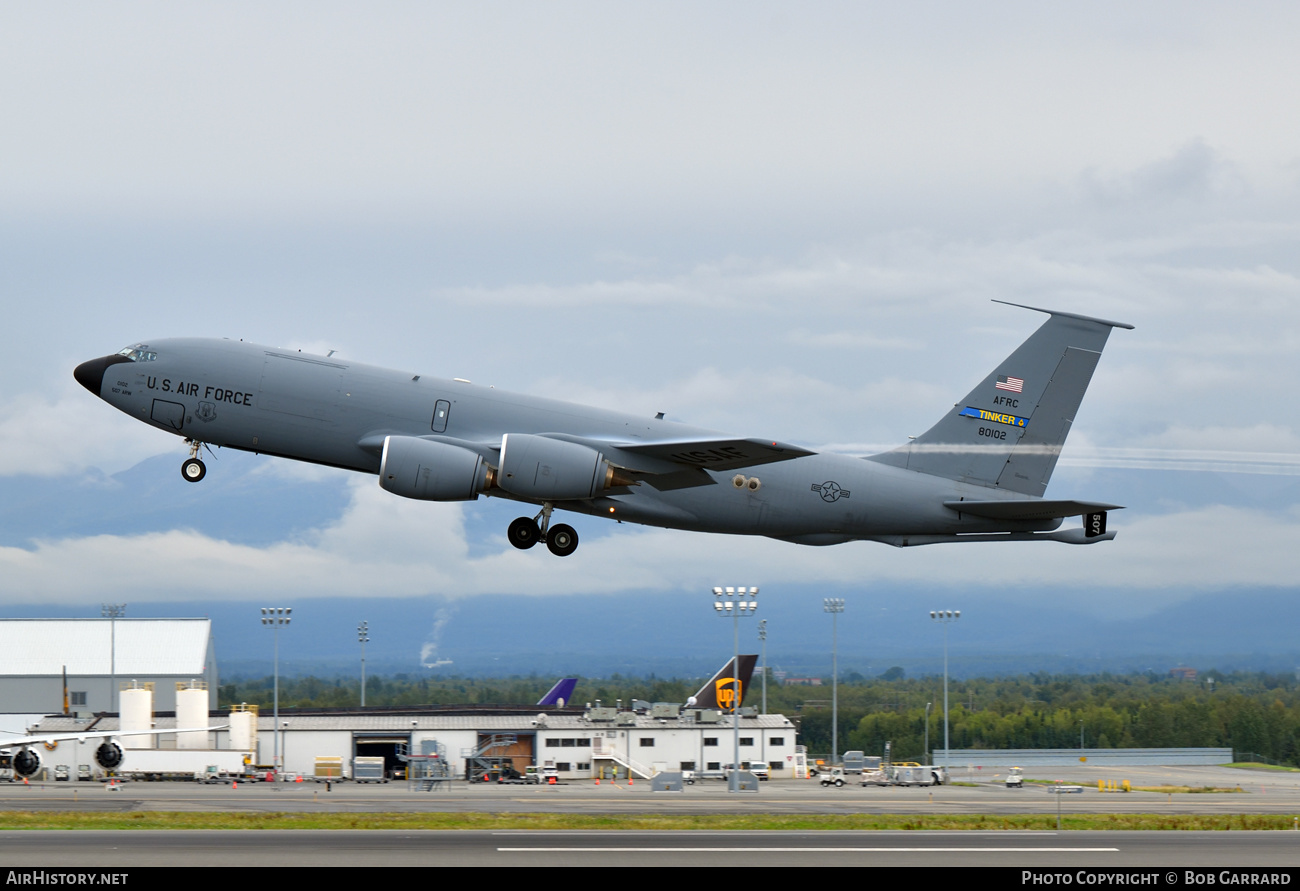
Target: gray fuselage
336 412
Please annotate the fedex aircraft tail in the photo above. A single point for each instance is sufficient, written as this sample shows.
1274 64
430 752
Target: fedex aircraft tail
720 690
561 694
1008 432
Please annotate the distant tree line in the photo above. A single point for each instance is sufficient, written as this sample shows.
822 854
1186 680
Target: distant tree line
1250 712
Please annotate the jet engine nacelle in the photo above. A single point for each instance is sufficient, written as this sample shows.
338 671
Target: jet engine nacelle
109 755
431 470
548 469
26 762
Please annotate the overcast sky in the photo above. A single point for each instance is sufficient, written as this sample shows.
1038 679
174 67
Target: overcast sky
767 219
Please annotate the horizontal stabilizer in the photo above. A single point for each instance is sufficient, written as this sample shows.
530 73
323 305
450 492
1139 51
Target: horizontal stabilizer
1035 509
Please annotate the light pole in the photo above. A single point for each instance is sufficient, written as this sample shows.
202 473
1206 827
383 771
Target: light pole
927 732
762 636
945 617
112 612
363 636
834 606
276 617
733 602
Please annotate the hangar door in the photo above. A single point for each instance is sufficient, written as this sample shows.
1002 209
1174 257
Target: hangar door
383 746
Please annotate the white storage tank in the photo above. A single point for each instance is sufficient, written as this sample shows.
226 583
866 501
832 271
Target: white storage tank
192 711
137 714
243 728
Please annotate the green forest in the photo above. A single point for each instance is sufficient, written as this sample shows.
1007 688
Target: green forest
1256 714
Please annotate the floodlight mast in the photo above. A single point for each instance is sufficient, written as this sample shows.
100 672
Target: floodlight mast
275 617
834 606
945 617
112 612
363 637
732 602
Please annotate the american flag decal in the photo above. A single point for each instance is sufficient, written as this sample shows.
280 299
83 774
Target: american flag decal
1014 384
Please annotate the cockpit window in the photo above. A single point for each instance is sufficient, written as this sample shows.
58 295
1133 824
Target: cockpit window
135 354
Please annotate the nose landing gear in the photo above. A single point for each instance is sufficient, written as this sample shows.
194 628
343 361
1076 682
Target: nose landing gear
561 539
193 470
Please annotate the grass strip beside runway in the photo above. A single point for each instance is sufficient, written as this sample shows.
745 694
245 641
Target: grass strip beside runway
156 820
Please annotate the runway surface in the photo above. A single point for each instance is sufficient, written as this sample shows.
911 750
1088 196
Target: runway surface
1167 850
1261 793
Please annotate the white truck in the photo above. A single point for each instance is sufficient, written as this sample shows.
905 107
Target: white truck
182 764
832 777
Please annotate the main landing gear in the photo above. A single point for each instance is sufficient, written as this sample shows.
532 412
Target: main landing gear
193 469
561 539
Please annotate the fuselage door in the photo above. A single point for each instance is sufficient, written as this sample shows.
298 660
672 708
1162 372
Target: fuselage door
440 412
168 414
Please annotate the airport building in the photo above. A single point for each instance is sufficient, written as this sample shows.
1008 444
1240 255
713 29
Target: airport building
98 658
474 742
579 744
142 670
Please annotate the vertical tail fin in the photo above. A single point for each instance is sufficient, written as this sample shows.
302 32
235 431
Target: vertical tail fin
1008 432
561 694
720 690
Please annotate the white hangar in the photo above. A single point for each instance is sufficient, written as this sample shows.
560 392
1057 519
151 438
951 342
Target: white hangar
99 658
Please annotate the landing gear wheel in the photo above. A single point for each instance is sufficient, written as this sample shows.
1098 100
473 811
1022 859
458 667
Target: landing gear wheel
523 533
562 540
193 470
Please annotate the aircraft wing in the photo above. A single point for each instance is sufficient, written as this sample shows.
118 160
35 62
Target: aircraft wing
1035 509
19 742
715 454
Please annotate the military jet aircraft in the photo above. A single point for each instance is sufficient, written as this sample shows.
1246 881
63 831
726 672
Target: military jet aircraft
978 474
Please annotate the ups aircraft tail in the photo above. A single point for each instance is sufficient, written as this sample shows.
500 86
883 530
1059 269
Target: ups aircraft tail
1008 431
720 690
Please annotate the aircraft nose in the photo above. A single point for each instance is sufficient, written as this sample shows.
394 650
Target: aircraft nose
91 374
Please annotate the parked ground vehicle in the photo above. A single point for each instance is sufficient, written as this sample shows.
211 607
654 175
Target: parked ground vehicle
215 773
912 774
368 769
876 777
832 777
180 764
1015 778
540 775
